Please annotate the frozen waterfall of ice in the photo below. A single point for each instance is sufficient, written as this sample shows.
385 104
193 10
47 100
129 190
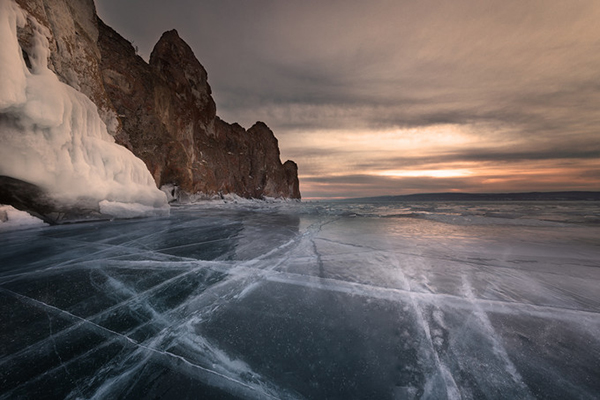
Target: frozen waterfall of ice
52 136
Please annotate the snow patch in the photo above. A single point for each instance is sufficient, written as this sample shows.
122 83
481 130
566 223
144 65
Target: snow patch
175 194
131 210
171 191
12 219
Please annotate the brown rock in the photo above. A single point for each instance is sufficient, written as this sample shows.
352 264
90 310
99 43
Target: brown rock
130 84
169 121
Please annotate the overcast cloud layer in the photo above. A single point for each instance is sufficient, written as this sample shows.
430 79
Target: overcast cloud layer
396 97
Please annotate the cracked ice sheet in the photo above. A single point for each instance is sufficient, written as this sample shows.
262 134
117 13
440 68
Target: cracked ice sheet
506 266
235 303
334 344
102 315
330 339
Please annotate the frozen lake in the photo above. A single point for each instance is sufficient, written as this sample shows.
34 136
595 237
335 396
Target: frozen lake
307 301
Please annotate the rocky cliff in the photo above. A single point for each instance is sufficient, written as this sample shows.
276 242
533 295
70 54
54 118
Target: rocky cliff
72 32
163 110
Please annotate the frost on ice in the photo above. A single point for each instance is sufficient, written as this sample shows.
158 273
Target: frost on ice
52 136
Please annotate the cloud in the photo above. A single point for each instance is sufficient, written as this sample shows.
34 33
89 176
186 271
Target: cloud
527 179
518 80
486 156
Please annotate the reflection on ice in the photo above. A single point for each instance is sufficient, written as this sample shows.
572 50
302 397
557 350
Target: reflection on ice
353 301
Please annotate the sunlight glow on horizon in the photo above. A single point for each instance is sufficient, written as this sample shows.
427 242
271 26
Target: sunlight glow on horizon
364 163
436 173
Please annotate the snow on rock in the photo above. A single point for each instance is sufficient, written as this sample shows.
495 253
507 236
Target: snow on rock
11 219
13 79
52 136
171 191
126 210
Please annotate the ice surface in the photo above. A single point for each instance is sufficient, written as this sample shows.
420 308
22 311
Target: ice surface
306 301
51 135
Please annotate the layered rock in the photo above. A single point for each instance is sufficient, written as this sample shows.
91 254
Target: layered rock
163 110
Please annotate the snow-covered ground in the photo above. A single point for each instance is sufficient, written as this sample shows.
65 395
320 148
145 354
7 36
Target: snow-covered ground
294 300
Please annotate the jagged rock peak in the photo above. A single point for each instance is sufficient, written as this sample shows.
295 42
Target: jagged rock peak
260 125
198 151
172 49
173 59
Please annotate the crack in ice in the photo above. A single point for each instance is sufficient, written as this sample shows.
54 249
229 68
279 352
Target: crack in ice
133 342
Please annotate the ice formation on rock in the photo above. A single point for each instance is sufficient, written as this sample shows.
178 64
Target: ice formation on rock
52 136
12 219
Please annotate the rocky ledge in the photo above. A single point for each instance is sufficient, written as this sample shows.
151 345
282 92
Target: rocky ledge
161 110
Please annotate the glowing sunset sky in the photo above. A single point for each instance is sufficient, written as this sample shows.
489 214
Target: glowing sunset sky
401 96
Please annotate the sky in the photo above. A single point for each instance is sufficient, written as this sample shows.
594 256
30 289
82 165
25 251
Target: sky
389 97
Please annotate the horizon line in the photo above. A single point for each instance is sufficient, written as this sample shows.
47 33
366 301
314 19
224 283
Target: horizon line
456 193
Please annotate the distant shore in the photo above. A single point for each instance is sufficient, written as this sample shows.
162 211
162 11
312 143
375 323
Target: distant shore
453 196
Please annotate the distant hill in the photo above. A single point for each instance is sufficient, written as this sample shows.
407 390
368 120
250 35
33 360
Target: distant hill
531 196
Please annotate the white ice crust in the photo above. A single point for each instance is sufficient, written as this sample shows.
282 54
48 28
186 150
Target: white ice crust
13 219
51 135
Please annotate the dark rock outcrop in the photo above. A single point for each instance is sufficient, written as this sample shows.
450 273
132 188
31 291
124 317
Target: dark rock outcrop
169 120
36 201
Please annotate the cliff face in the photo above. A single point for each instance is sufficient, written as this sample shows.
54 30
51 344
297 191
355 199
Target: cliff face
166 104
163 110
72 32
